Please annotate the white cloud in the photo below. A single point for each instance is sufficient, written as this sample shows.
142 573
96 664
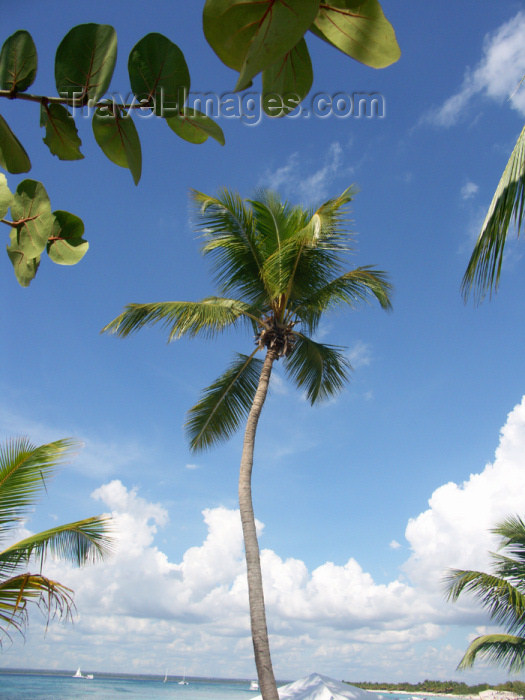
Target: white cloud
359 354
278 384
468 190
310 183
335 617
94 457
454 531
394 544
192 466
496 76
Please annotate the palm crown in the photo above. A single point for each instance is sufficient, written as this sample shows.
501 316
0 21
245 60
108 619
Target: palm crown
281 267
502 594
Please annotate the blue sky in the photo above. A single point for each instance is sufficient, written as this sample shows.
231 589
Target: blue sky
365 501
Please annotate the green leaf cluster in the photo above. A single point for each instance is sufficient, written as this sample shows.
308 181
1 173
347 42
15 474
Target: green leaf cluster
35 228
84 63
267 36
24 470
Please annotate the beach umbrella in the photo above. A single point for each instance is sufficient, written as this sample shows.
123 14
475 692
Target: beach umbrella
318 687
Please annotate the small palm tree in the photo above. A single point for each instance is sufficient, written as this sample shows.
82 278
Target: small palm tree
282 268
502 594
507 206
23 472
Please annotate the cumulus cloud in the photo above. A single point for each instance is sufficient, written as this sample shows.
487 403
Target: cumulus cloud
454 530
496 77
334 615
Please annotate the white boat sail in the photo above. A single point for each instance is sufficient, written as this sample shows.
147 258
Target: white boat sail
78 674
184 681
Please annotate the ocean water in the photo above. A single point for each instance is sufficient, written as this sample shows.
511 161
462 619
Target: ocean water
61 686
32 686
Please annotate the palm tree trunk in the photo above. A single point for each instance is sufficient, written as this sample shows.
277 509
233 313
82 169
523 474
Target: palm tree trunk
261 644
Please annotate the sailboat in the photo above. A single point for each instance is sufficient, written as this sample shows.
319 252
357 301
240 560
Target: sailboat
165 677
78 674
184 681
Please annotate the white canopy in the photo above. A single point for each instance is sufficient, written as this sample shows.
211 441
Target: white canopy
318 687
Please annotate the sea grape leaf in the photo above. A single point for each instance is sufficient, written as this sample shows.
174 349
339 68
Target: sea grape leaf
251 36
13 156
289 79
158 72
32 218
18 62
66 246
227 26
25 267
61 137
85 60
359 29
279 30
6 196
195 127
117 136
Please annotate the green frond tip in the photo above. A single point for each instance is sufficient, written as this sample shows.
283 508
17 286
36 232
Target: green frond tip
507 206
499 649
82 542
24 469
208 317
321 370
224 404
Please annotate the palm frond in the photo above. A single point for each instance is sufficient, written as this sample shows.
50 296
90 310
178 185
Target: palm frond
315 252
322 370
208 317
230 238
277 224
275 221
17 592
225 403
351 288
23 471
329 224
504 602
82 542
511 565
508 204
500 649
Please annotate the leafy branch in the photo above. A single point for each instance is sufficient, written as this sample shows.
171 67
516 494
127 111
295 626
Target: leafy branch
252 37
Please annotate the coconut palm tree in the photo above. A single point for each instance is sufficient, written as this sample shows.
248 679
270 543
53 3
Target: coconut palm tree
502 594
507 206
281 267
24 469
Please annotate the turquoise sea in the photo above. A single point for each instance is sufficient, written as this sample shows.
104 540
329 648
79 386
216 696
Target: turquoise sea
35 686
